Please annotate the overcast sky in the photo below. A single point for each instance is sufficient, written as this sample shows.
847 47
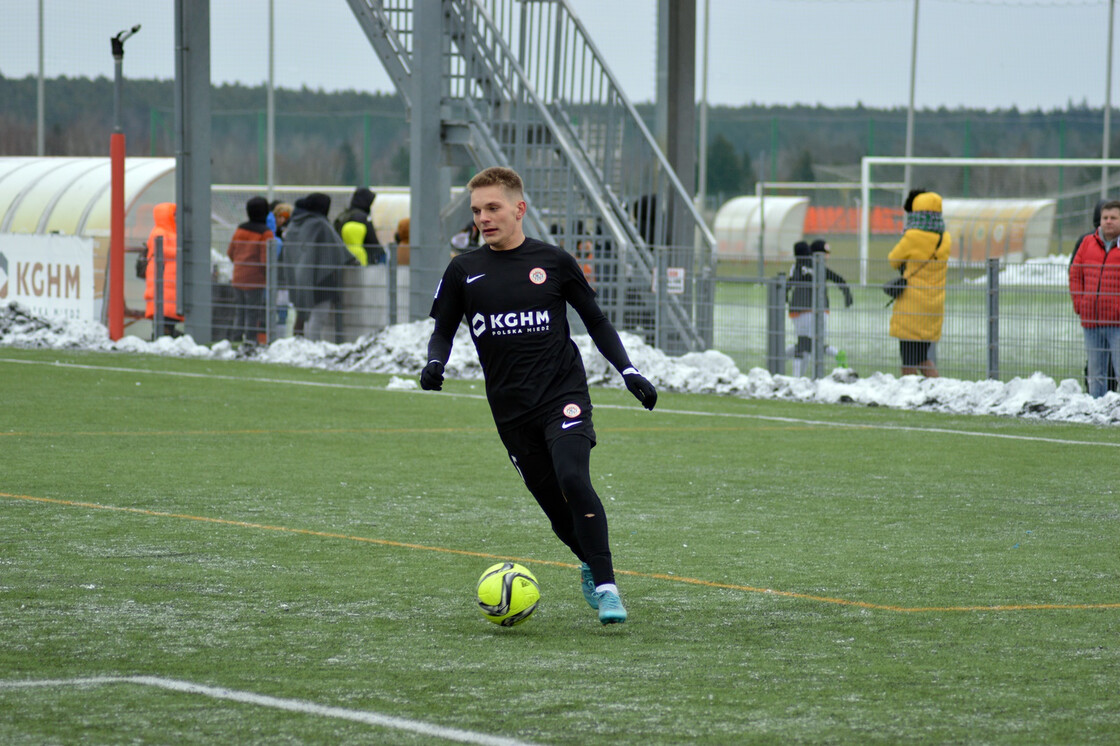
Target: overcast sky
974 53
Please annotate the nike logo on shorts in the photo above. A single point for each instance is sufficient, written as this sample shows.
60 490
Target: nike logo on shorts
472 278
572 423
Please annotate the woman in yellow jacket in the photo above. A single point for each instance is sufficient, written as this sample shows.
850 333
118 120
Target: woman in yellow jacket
922 256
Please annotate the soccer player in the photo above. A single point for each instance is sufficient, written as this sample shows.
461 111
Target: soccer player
514 292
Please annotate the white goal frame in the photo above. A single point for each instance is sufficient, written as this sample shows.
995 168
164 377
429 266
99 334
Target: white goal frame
888 160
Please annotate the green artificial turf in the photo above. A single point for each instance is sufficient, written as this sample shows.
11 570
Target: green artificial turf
793 573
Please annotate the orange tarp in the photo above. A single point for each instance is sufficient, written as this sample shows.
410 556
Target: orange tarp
846 220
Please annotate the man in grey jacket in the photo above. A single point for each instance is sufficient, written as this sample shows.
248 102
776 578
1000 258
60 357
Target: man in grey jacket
314 255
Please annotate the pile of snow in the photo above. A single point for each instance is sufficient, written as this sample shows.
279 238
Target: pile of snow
400 351
1052 270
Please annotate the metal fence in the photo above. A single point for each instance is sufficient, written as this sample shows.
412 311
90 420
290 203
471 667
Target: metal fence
1000 320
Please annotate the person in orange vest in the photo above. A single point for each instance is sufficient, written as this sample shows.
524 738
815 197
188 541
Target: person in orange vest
164 215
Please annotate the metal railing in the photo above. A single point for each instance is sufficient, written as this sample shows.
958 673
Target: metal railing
1000 321
528 83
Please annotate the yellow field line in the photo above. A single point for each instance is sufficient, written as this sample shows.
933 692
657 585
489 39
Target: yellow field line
528 561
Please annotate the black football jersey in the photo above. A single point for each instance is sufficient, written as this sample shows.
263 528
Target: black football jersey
515 303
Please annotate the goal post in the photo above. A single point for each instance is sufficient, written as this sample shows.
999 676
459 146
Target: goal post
868 163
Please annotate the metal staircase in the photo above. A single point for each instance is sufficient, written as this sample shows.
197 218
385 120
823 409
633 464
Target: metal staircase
524 86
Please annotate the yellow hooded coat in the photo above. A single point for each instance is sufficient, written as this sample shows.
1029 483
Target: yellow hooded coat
918 312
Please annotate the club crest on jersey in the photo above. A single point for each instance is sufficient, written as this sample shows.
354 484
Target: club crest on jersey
537 276
572 410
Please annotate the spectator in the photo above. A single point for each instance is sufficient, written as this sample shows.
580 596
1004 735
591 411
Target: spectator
799 295
1094 286
281 213
401 237
314 256
922 257
467 239
356 228
1111 382
248 250
164 217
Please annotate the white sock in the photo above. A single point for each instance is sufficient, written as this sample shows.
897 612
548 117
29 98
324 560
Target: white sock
607 587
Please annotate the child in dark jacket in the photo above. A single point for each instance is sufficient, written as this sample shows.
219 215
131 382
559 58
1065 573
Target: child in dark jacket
799 295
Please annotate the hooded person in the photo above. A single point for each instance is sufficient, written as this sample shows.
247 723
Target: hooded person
922 257
314 256
355 227
164 217
248 250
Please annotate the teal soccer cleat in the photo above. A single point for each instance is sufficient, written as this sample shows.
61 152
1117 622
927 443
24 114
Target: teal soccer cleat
611 610
587 584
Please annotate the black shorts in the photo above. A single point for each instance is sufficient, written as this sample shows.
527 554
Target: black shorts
913 353
532 440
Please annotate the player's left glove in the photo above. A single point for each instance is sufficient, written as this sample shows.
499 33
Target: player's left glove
642 389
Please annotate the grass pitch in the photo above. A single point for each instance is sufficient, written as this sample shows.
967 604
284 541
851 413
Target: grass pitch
201 552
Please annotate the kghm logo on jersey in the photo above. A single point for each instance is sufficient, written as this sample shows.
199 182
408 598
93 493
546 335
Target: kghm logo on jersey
537 276
572 410
513 322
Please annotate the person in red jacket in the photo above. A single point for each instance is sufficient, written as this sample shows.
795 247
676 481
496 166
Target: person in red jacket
164 216
1094 286
248 249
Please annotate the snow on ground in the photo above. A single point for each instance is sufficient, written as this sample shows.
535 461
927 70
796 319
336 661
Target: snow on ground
400 351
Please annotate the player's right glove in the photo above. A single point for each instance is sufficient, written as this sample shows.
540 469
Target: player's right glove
642 389
431 378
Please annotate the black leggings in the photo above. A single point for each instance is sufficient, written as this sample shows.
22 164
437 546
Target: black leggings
560 480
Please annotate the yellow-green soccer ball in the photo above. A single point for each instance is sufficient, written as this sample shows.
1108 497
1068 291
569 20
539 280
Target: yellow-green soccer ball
508 593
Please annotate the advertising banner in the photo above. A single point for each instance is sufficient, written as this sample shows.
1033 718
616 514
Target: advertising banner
51 275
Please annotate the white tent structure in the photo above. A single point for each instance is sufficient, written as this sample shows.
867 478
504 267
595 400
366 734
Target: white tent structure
71 196
1012 229
748 226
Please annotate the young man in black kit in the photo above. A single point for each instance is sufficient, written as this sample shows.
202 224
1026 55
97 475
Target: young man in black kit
514 292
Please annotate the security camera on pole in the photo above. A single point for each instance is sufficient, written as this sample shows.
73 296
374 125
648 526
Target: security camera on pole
116 225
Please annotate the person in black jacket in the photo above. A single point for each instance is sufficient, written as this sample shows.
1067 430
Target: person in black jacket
799 296
355 227
314 256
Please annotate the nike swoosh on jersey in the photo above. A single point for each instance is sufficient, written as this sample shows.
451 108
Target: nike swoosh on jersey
573 423
472 278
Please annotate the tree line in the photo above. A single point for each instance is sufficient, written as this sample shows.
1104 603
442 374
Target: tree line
347 138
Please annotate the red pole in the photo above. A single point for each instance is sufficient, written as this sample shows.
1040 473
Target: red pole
116 237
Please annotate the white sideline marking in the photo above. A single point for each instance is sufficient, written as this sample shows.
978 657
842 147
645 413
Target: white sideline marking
292 705
690 413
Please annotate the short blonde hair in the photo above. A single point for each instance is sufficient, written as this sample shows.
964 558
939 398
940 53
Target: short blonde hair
499 176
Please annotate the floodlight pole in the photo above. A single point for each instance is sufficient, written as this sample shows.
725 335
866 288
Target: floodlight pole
910 108
702 177
270 114
1106 136
116 204
40 106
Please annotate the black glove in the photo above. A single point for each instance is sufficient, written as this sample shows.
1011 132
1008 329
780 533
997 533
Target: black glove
642 389
847 297
431 378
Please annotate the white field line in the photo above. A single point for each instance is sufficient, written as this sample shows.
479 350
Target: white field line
684 412
291 705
